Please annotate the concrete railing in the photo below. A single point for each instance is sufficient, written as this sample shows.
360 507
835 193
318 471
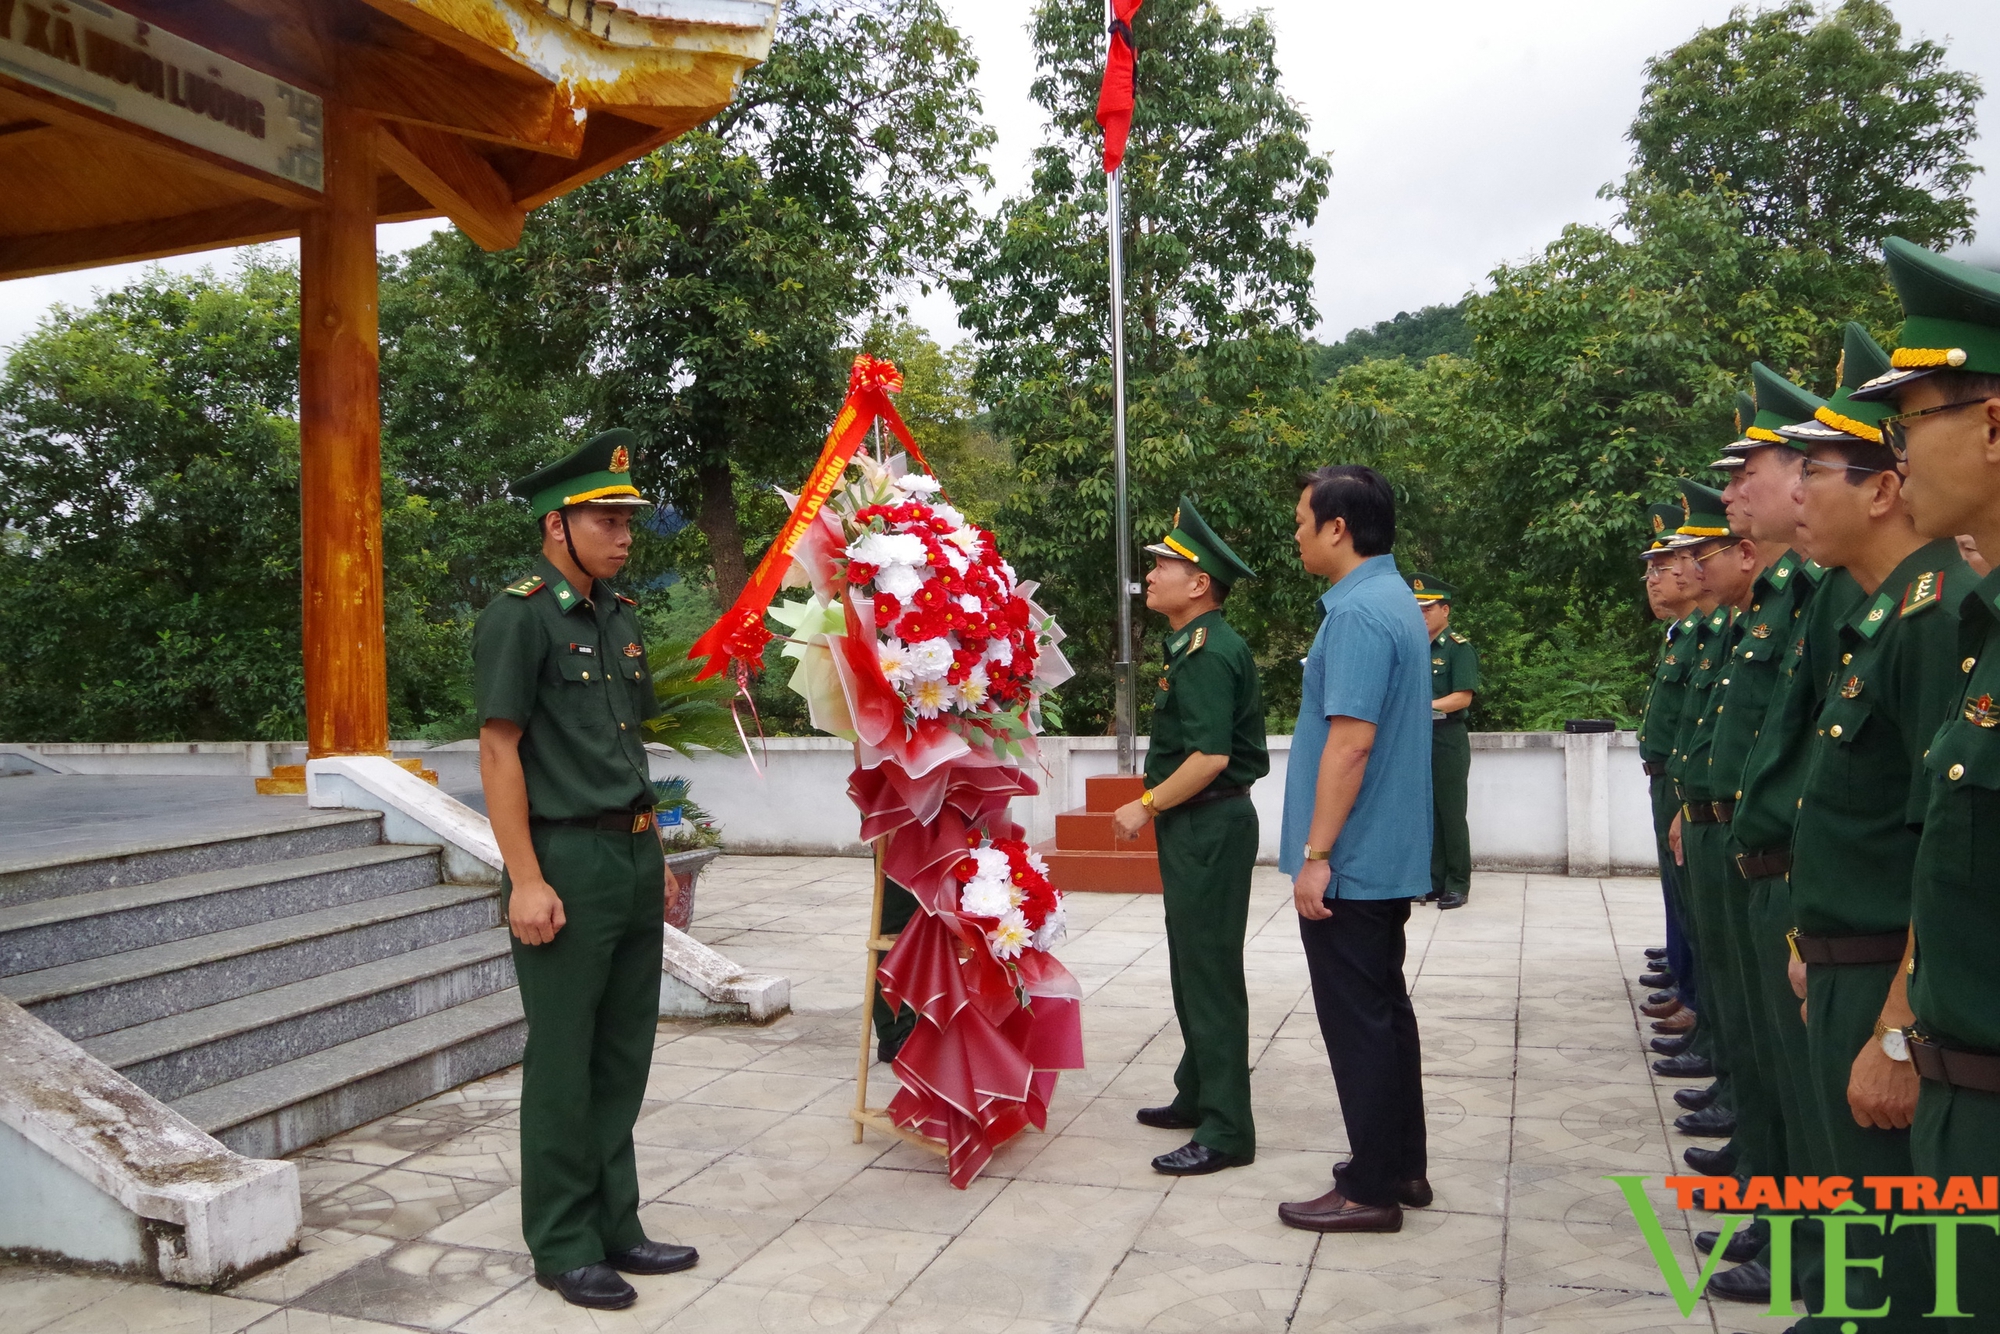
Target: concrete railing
1540 801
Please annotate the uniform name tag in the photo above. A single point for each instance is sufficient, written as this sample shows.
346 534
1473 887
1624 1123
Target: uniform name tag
581 648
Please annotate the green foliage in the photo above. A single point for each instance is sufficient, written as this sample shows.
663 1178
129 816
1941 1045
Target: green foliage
692 713
697 828
1219 188
1415 335
1832 131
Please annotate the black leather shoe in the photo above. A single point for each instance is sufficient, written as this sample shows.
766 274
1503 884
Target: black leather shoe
1663 978
1432 897
1656 952
654 1257
1746 1283
1708 1123
1412 1194
1451 901
1695 1099
1662 997
1687 1065
595 1286
1745 1246
1197 1160
1710 1162
1165 1118
1672 1046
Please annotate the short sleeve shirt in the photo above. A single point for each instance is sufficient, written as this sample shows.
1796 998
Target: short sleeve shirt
1370 660
1454 667
1209 700
571 671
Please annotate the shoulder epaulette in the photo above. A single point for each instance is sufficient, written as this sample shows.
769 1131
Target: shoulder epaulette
533 584
1926 591
1458 638
1200 638
630 602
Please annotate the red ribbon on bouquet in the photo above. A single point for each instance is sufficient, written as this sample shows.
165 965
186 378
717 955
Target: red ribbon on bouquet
738 634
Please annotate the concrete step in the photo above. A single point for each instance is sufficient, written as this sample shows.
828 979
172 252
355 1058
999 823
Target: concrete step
185 1053
1102 872
303 1101
51 932
1105 793
94 996
1092 831
115 866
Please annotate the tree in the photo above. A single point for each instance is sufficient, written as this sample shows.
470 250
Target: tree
1832 130
1418 335
1219 187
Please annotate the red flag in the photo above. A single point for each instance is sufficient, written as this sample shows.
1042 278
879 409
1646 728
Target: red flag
1114 97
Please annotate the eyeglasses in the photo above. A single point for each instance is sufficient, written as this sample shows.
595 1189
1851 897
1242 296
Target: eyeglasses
1898 439
1826 467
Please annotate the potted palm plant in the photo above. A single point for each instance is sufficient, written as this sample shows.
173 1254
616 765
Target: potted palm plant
694 716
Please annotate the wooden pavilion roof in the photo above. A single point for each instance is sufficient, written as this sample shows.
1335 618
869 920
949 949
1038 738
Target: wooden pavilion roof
485 109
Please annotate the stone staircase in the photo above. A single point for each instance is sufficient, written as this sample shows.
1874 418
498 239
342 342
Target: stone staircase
274 987
1087 854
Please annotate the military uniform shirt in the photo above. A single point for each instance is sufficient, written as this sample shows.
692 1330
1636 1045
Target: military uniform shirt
1865 794
1661 718
1209 700
1454 667
1743 695
1689 765
1955 895
571 672
1774 774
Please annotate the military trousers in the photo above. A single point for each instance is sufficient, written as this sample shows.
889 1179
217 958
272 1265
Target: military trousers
1721 910
592 997
1206 855
1957 1134
1680 941
1451 840
1779 1034
1843 1001
894 1027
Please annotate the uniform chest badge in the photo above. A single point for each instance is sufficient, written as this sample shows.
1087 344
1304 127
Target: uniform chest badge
1760 631
633 650
1851 688
1704 664
1163 683
1981 712
1437 662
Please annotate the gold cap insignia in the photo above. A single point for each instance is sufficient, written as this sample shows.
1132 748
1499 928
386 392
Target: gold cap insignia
1659 524
1417 585
620 460
1739 421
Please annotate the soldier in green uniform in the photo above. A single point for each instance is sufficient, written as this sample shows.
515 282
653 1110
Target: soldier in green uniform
1454 682
1944 389
1855 847
1659 718
561 687
1206 749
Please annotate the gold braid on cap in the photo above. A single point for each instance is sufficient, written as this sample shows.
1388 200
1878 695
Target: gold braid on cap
1768 437
1688 530
1182 551
1872 434
1916 358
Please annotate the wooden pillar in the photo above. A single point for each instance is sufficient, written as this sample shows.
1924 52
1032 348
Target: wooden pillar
340 452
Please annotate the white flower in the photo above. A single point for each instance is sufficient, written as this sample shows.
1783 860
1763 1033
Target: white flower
930 659
886 549
1040 867
1011 936
918 484
970 602
957 559
1053 930
993 863
965 539
972 690
1000 651
898 581
948 514
932 697
894 656
983 896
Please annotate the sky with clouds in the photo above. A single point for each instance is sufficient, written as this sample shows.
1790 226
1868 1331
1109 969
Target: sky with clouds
1462 133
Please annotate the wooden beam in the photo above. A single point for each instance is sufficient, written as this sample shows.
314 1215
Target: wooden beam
442 169
609 142
340 452
448 93
247 223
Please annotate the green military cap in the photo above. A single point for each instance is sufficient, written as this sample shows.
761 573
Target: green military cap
1663 520
1429 588
1951 319
1192 540
1780 403
600 473
1702 514
1861 360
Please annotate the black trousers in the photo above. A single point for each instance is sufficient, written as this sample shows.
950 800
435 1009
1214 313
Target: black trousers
1356 961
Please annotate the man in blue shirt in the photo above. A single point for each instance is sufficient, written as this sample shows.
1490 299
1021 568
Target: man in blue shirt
1357 842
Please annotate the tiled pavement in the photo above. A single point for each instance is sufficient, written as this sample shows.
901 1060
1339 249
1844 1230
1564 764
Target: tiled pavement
1536 1082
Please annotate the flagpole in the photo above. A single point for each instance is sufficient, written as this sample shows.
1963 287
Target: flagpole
1126 702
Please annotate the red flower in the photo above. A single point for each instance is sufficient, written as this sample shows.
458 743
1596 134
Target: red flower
860 571
929 597
920 625
967 867
887 608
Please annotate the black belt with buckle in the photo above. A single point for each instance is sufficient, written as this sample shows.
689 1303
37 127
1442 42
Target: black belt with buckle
1887 947
1708 812
1964 1069
1208 794
1763 863
1653 768
615 822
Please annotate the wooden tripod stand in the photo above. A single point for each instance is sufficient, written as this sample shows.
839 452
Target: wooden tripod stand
878 944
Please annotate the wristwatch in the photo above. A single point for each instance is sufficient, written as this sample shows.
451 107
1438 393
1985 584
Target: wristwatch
1318 855
1146 800
1895 1041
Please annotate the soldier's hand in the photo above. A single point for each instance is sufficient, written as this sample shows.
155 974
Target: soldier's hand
673 891
534 913
1674 841
1128 820
1309 891
1882 1092
1795 973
